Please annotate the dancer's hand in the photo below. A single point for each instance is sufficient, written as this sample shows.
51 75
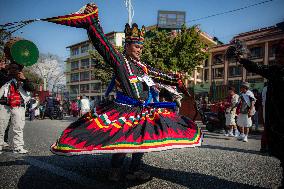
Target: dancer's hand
90 8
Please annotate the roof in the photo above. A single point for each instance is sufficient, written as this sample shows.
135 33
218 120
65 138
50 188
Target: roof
88 41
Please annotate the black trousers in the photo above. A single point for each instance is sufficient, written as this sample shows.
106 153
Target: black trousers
118 159
6 134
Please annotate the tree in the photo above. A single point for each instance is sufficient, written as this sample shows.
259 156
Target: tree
50 68
102 71
181 52
33 77
4 36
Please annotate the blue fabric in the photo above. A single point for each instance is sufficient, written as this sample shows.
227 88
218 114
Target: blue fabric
111 85
120 98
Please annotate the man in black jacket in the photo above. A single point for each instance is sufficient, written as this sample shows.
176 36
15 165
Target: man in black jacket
274 119
14 95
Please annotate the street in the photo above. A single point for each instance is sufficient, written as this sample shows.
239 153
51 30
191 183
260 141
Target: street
221 162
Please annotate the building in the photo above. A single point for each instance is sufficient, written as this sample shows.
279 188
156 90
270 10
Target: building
261 43
80 65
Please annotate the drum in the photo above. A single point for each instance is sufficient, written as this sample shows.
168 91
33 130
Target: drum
21 51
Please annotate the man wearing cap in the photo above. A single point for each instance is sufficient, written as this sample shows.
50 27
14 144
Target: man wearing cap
246 107
14 95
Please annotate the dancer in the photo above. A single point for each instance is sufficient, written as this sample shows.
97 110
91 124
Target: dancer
130 123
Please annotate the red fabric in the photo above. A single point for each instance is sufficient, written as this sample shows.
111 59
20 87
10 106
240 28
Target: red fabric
14 98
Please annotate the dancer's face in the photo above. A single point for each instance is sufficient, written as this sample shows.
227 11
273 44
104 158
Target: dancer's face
134 50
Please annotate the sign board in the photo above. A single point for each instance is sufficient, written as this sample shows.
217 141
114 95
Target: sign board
171 19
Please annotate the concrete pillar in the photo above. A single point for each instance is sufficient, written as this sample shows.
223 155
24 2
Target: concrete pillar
210 68
266 54
226 68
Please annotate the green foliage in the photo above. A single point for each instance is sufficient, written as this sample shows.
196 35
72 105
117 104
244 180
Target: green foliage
102 71
4 36
181 52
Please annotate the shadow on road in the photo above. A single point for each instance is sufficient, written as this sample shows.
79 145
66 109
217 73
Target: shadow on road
90 171
231 149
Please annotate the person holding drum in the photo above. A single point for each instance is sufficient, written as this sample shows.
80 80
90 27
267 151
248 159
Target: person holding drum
15 90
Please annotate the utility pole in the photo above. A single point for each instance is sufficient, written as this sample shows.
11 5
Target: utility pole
128 4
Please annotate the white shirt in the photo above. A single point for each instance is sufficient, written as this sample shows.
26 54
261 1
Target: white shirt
85 105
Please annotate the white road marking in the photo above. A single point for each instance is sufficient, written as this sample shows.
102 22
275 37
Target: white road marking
70 175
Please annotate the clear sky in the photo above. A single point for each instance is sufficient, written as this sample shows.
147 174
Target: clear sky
54 38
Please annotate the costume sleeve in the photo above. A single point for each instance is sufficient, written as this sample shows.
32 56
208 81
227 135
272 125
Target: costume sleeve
160 77
167 79
268 71
91 23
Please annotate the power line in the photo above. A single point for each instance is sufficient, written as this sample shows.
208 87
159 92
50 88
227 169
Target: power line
230 11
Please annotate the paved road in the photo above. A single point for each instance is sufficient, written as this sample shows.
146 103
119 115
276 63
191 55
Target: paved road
220 163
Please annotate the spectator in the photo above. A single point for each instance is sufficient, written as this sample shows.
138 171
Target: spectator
273 136
66 107
50 106
74 108
93 104
41 110
85 105
230 112
246 105
13 99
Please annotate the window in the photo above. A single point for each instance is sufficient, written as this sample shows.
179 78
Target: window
96 87
85 48
74 51
206 75
235 71
218 72
74 89
256 52
75 65
272 50
84 76
95 63
84 88
206 63
74 77
218 59
85 63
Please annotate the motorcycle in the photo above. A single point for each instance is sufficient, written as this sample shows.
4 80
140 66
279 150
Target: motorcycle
213 121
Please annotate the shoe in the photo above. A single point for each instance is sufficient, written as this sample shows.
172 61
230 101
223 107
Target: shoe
6 144
20 151
231 134
241 137
114 175
227 134
138 176
245 138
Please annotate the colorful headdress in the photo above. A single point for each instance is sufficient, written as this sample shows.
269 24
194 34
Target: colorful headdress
134 35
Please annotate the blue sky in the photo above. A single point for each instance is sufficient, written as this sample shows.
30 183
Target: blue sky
54 38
